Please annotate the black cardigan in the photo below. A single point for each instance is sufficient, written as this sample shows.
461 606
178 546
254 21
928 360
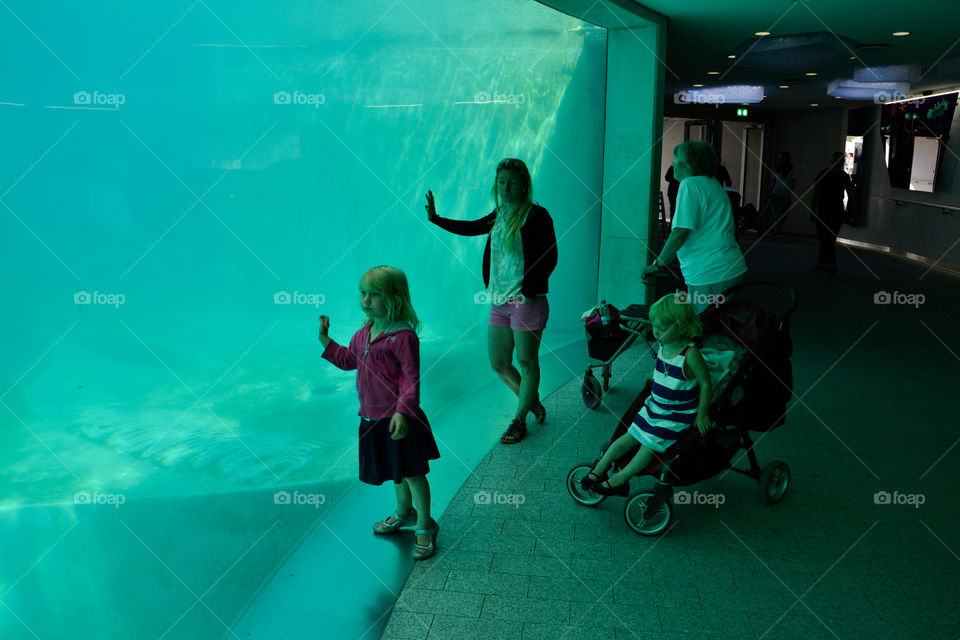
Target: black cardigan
539 246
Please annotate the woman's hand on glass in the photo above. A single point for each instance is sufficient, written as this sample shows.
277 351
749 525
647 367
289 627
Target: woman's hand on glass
431 209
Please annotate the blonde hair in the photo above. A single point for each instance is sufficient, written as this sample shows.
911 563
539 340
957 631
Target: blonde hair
520 217
675 309
392 285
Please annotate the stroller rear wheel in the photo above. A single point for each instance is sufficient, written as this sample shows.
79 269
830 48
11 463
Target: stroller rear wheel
656 523
578 493
591 391
773 481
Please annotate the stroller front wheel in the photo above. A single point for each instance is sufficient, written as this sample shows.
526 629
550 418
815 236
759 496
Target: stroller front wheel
577 492
773 481
655 523
591 391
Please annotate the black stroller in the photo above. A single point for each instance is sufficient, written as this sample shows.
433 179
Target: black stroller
752 322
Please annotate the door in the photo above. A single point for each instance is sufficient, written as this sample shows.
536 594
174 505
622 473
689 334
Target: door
751 167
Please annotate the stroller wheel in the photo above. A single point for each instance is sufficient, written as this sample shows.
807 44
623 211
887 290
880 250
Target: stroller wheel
773 481
586 498
591 391
657 522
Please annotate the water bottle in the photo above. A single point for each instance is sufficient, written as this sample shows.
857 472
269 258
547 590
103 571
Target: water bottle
604 314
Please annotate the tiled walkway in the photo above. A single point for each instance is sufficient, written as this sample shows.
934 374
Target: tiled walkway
870 414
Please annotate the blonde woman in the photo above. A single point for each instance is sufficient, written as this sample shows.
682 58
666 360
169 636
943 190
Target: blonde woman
519 256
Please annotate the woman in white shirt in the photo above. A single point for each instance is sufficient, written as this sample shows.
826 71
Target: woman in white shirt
702 237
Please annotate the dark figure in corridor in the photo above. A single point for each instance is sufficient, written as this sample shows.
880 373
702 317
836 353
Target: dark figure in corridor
673 186
831 185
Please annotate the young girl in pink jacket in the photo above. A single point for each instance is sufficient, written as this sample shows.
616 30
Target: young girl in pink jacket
396 442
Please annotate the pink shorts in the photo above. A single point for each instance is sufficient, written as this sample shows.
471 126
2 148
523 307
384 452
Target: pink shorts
527 316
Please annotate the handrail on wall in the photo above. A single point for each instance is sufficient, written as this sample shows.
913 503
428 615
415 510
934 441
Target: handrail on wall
943 207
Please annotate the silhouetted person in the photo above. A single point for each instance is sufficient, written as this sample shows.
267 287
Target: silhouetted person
784 182
832 183
673 186
723 176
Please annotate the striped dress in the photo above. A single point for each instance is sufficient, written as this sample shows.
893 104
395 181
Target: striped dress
671 407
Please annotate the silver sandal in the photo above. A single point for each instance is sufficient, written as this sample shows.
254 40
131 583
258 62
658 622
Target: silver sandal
384 528
421 552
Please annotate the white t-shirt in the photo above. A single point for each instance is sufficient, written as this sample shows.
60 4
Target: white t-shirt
506 264
710 254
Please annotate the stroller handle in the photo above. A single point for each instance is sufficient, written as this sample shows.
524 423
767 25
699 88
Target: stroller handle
663 272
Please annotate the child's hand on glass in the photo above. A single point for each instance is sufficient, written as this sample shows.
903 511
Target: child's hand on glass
324 326
704 424
398 426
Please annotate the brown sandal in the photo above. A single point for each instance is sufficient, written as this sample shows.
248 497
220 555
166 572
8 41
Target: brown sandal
540 413
516 432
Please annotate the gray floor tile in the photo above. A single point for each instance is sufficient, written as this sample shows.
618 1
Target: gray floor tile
488 583
439 602
525 609
465 628
863 570
408 626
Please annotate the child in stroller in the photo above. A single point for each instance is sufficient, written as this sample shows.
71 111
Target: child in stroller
679 398
747 348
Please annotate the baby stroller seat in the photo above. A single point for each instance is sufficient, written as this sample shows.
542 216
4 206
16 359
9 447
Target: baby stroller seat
750 396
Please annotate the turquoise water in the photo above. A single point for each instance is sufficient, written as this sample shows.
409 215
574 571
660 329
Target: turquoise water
186 187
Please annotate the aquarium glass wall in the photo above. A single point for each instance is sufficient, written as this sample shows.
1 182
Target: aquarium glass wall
184 188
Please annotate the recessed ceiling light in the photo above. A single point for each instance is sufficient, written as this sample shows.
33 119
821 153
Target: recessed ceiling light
814 104
853 57
761 33
732 56
698 85
713 73
784 86
810 73
901 33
